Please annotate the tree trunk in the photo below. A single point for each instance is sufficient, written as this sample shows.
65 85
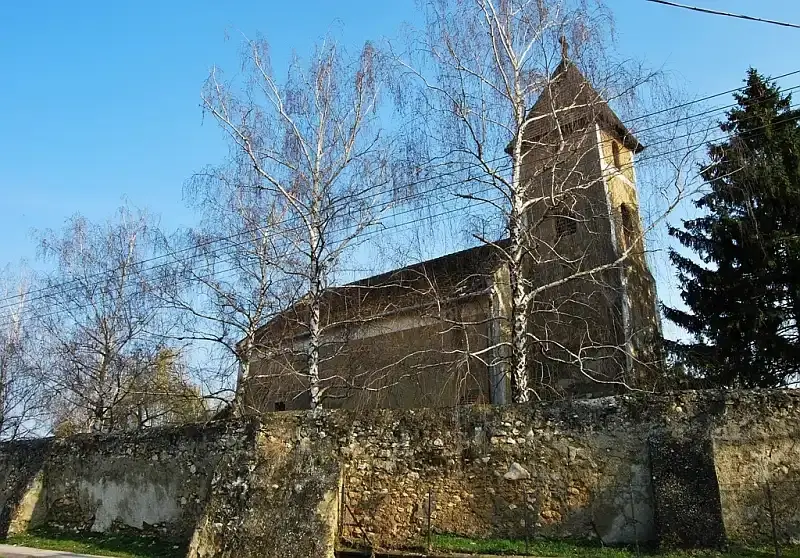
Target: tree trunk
313 355
314 319
242 377
520 391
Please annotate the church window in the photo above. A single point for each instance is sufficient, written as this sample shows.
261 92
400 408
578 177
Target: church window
628 225
470 397
566 223
615 154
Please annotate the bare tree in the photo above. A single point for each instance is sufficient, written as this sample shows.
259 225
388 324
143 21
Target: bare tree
502 92
315 144
164 395
103 331
21 398
228 276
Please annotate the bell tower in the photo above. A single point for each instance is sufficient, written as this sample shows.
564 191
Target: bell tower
594 325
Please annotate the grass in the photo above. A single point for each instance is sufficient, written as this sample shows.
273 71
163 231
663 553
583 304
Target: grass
103 544
567 549
543 548
127 546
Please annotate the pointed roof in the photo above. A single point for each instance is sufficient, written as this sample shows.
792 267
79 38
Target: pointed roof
573 96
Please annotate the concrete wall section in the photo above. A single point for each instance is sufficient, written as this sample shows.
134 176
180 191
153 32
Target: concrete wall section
757 462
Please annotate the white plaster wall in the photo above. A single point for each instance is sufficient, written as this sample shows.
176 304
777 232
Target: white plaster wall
630 516
132 504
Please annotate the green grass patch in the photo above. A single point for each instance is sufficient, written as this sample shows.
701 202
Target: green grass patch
103 544
534 547
589 549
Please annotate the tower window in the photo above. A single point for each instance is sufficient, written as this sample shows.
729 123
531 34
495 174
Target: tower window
628 225
615 154
566 223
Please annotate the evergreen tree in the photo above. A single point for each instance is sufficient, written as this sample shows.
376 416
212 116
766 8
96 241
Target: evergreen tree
743 294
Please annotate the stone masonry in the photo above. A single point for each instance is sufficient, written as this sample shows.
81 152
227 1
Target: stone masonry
684 469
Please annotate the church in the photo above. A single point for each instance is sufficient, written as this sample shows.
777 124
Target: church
437 333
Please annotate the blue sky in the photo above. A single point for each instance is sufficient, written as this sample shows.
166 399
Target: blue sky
100 99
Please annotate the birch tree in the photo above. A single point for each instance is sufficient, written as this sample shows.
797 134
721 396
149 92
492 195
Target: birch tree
228 276
21 397
103 331
315 142
490 97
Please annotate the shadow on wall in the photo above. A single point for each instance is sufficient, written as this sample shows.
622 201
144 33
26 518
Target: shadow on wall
21 465
686 491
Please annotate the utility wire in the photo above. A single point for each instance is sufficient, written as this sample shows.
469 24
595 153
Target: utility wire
42 292
726 14
437 217
174 253
427 179
81 282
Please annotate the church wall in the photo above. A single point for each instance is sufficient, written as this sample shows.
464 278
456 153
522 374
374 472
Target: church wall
411 359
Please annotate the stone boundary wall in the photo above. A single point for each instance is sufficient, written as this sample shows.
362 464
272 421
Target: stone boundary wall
154 481
569 471
685 469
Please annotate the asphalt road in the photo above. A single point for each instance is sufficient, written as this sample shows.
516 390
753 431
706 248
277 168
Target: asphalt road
10 551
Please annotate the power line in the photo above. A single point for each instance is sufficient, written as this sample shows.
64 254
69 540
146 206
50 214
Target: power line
431 218
449 173
366 234
703 99
42 292
436 217
392 215
174 253
726 14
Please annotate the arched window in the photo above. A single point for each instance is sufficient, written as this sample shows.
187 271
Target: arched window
615 154
629 229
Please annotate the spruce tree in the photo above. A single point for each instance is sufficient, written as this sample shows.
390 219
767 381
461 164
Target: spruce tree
742 284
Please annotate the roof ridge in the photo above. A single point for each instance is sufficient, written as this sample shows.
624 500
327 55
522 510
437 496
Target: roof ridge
438 259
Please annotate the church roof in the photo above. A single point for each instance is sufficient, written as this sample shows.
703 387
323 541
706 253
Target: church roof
468 273
571 94
458 276
461 272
